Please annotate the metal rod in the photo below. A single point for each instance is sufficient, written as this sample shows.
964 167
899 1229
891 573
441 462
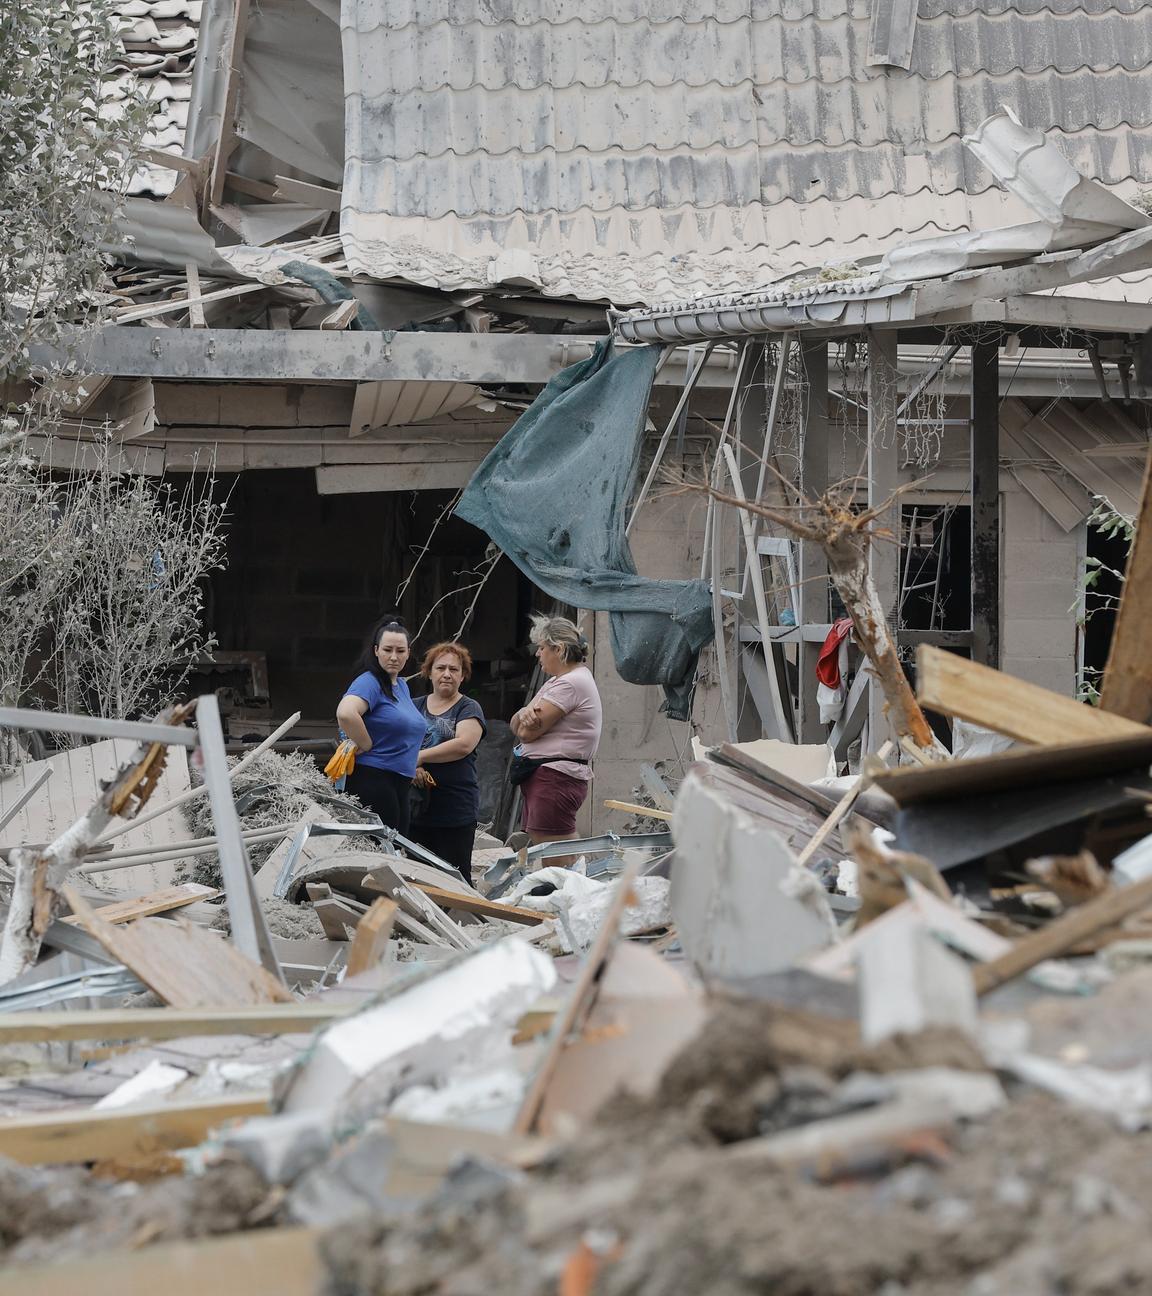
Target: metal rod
689 385
928 378
96 727
25 796
244 914
782 357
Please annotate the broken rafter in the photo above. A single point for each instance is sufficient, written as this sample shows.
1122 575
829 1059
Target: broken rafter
39 874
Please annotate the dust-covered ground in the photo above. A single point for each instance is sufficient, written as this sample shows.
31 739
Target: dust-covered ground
660 1197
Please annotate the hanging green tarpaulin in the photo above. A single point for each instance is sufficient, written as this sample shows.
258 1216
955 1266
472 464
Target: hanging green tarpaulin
553 496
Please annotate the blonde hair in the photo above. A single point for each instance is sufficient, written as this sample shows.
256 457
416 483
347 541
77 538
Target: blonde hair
559 633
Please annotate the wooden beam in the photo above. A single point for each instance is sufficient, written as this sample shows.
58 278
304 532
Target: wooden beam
127 315
957 687
166 1023
1064 933
883 478
485 908
984 443
1127 687
372 933
282 1260
121 1134
195 299
649 812
154 903
311 195
186 966
253 188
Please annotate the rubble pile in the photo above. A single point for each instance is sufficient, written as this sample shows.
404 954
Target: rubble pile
814 1039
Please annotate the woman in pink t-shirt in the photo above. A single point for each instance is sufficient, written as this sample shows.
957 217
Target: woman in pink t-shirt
561 724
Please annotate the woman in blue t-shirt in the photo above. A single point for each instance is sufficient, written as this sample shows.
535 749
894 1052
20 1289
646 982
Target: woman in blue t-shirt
445 821
377 714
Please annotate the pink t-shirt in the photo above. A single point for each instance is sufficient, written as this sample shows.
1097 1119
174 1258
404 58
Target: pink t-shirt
577 732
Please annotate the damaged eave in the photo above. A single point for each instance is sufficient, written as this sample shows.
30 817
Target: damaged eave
317 356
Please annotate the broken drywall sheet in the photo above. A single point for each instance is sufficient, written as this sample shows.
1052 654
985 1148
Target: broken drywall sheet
459 1019
733 892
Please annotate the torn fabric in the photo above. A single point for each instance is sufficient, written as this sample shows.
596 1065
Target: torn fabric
552 495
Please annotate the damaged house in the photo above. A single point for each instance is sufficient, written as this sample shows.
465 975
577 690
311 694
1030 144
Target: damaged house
368 235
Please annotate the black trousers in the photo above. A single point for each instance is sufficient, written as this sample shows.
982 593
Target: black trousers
453 845
383 791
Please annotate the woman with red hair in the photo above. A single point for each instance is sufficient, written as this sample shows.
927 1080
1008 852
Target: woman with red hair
445 819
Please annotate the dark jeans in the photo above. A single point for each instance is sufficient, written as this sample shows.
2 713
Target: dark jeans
384 792
453 845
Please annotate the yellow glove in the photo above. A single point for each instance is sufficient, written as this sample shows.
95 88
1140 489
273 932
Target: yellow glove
343 762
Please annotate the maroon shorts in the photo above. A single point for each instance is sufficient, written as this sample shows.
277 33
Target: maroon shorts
551 800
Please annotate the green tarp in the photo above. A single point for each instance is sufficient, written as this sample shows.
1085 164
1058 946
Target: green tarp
553 496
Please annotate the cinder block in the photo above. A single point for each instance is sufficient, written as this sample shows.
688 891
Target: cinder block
1041 561
1057 674
1040 639
326 406
1023 518
1036 600
197 403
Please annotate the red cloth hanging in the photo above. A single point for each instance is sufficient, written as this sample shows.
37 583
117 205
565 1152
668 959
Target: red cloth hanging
828 663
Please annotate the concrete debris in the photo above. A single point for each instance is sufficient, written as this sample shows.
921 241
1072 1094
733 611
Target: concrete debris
674 1084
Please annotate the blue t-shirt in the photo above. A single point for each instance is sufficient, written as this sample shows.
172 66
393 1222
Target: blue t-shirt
455 800
394 725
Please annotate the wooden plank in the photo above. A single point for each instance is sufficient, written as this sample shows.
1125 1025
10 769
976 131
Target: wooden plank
195 304
1127 687
372 934
311 195
581 998
1019 768
846 802
485 908
1065 932
121 1134
154 903
414 904
649 812
883 478
955 686
165 1023
282 1260
336 913
185 965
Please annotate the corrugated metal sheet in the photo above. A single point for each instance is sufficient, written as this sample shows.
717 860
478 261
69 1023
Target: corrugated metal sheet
639 149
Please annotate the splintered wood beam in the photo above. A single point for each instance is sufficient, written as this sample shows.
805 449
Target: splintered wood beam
281 1260
371 936
166 1023
474 905
1064 934
1127 687
156 902
121 1134
957 687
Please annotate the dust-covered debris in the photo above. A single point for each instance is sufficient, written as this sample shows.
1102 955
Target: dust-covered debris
277 788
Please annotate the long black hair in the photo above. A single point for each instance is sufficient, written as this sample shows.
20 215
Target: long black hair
366 662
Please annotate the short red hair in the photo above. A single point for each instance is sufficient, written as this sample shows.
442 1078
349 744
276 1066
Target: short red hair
449 646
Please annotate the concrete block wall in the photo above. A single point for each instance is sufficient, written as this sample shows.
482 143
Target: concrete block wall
666 543
1041 573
